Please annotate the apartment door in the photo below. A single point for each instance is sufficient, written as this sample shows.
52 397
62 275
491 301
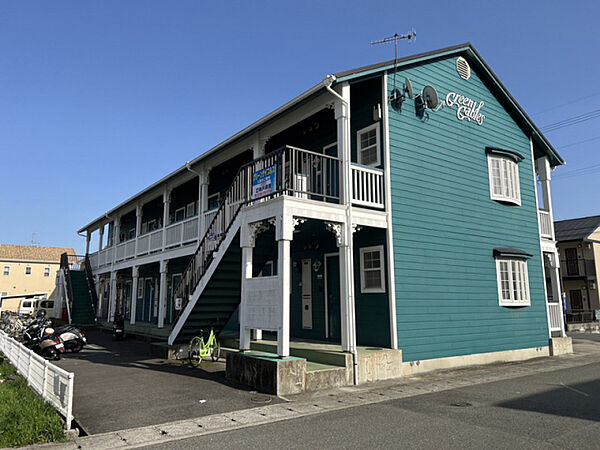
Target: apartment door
332 297
148 299
576 300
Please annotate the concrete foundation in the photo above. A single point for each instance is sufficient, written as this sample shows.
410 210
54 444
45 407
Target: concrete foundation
587 327
379 364
415 367
561 346
267 373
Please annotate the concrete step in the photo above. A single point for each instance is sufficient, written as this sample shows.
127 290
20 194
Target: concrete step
309 351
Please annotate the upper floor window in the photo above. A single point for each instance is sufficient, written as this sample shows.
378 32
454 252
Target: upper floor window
46 271
504 175
28 270
6 271
372 270
367 143
513 277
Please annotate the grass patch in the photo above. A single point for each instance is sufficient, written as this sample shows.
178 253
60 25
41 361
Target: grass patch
25 418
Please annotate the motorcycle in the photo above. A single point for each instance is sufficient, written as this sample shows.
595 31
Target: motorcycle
73 338
119 327
41 338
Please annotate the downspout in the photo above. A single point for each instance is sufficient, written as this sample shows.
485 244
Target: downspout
327 82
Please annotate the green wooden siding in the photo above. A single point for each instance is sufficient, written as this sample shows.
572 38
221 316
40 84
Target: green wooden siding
446 226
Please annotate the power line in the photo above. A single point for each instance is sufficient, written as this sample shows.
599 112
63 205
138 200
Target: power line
566 104
579 142
572 121
579 172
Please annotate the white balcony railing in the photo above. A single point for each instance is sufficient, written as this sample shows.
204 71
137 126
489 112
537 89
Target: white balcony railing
545 224
556 316
120 252
367 186
182 232
156 240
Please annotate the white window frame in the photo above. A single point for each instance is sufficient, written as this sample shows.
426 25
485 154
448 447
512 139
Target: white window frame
46 272
518 282
179 211
360 150
6 271
216 195
363 288
190 210
510 186
28 268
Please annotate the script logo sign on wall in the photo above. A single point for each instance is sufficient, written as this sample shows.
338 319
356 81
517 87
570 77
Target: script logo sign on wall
465 107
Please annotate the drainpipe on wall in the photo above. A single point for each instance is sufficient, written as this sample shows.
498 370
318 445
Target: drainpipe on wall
327 82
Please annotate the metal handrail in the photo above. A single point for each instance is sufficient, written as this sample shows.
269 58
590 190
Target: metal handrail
319 178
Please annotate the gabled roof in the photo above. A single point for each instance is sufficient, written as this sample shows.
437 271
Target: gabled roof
576 229
33 253
466 50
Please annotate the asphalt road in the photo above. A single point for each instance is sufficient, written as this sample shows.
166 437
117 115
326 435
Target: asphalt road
120 385
559 409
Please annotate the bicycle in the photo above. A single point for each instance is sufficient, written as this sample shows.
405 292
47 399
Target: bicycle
200 348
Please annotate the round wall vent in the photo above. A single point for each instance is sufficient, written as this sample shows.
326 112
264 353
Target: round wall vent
463 69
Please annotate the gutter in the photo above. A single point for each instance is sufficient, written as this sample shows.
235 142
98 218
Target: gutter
327 82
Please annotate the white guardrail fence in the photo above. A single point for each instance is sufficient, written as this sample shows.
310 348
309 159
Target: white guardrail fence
54 384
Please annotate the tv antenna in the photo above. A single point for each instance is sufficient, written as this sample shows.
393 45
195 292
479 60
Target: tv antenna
33 241
411 36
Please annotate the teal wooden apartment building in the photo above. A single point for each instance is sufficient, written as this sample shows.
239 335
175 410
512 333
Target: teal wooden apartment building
362 214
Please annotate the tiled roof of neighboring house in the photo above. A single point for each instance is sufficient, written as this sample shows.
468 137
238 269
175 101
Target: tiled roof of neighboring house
33 253
575 229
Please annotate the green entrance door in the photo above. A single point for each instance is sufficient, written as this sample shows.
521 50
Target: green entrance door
332 297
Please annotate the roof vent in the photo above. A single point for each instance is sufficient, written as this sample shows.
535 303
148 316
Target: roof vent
463 69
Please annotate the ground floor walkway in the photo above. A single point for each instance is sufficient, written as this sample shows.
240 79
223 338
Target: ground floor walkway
120 385
542 393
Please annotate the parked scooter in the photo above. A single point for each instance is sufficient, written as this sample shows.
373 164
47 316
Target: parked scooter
40 337
119 327
73 338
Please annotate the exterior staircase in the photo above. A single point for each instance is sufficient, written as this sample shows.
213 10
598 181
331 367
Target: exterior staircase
80 291
82 311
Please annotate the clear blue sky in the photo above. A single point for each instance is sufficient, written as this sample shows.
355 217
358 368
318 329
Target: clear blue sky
101 98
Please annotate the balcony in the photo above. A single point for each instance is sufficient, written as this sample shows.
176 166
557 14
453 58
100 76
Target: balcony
289 171
577 268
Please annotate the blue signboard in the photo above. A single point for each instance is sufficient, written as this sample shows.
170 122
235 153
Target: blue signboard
263 181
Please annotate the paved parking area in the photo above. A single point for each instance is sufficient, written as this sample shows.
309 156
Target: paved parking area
121 385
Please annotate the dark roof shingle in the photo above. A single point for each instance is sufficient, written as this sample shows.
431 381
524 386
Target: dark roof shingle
575 229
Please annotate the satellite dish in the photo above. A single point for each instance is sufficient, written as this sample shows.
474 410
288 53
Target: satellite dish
430 97
408 89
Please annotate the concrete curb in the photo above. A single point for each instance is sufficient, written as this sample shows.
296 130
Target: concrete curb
324 401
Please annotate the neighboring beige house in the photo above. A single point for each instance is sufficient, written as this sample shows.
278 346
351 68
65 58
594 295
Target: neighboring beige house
578 242
27 270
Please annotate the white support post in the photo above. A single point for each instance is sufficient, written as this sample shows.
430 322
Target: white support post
283 263
135 273
556 289
100 237
162 296
342 115
116 234
88 238
166 202
138 225
203 202
99 295
113 296
544 172
284 233
246 274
